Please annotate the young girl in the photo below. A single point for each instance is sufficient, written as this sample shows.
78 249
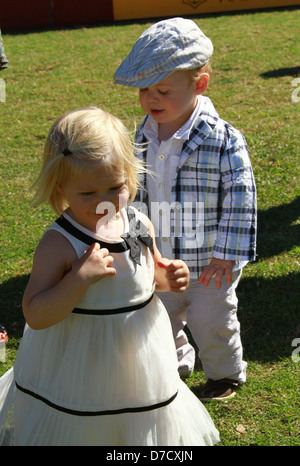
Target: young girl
97 363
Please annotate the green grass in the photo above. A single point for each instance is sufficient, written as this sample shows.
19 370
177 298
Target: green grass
255 60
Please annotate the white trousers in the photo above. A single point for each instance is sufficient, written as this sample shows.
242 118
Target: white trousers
211 316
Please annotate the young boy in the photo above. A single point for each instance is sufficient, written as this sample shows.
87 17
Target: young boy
201 199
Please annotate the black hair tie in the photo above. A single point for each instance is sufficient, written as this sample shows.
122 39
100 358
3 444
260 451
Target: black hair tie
66 151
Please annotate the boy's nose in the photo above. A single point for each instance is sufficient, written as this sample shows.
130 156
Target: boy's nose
152 95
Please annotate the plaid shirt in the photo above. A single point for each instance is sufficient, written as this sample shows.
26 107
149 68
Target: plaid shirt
214 192
3 59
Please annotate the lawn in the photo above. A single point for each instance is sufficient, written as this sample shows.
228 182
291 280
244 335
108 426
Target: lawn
256 87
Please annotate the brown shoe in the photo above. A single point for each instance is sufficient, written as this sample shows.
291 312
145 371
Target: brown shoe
218 390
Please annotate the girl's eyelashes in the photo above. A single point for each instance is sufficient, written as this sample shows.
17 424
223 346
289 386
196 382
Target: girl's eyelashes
115 188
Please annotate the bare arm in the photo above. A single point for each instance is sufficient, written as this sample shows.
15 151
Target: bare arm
59 279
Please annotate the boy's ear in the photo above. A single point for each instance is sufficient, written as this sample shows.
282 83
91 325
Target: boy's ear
202 84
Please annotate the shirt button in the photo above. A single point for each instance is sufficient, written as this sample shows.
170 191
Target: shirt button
160 185
164 239
161 156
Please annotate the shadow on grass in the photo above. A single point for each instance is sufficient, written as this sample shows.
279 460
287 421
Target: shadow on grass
269 309
11 315
278 230
269 314
280 72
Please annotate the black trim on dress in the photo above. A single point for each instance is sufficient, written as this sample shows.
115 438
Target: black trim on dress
138 233
75 412
120 310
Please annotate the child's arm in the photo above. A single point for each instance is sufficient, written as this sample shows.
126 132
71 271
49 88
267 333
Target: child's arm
59 279
170 275
237 223
218 267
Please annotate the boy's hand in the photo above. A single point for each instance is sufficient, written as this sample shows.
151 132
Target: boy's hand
219 268
177 274
94 264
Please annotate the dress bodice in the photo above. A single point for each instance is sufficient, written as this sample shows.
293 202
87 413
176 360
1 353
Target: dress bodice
134 280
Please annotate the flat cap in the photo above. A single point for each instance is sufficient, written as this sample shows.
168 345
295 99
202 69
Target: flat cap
166 46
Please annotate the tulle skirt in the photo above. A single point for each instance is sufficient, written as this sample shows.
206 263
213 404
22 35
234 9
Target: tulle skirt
102 380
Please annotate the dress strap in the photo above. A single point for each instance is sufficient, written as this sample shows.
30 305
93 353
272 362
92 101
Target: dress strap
89 240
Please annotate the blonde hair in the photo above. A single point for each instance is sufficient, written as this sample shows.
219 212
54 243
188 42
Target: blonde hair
197 72
91 138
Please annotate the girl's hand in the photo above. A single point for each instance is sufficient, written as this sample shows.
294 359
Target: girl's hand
177 274
94 265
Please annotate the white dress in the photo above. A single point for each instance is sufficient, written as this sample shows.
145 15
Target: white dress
107 374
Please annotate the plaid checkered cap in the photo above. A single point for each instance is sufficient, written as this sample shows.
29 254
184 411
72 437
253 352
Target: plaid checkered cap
167 46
